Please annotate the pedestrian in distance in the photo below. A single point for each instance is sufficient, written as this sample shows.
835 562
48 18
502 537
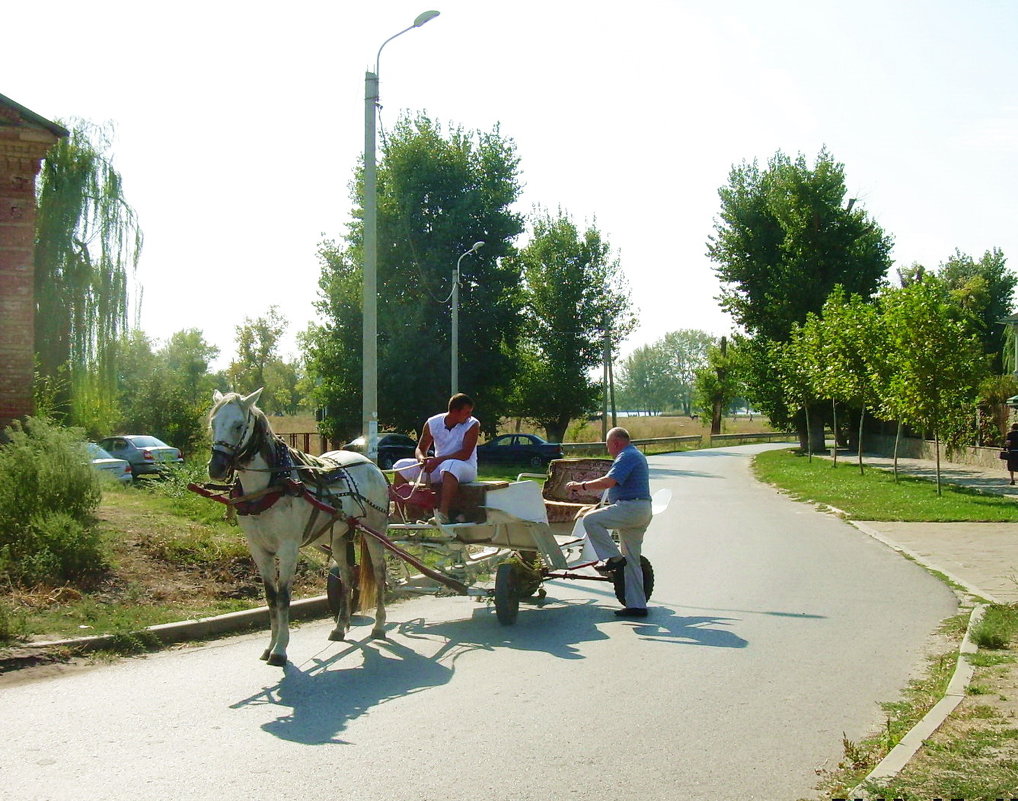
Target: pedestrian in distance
628 512
1011 446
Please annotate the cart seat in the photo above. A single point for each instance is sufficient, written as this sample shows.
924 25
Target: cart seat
561 504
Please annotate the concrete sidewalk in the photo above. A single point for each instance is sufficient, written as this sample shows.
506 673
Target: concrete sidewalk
982 557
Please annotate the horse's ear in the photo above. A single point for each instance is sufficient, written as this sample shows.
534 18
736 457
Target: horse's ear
216 396
252 399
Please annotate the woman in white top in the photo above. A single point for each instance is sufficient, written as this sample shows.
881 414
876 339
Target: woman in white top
454 435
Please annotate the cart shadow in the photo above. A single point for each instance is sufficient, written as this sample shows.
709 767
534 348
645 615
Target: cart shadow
663 625
321 696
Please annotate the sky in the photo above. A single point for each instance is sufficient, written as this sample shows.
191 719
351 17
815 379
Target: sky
239 126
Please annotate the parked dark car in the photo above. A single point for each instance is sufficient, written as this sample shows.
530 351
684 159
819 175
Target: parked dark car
108 466
527 449
148 456
391 448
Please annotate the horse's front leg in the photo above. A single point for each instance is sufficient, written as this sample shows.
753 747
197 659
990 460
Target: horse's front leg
266 563
341 557
279 603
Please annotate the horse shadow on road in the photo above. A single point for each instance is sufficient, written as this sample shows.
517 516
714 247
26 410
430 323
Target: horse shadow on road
325 693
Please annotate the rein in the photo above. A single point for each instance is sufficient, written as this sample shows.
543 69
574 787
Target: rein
282 460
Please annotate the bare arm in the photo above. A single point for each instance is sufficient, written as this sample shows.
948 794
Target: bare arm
423 444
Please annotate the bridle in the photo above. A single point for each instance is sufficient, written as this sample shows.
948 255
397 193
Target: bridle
245 447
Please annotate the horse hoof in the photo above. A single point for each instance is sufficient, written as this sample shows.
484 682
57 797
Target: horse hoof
277 660
336 636
265 654
378 634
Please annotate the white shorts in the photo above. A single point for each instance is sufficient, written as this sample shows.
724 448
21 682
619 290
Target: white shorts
410 469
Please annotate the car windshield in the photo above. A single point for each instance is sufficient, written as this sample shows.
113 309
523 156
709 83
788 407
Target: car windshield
95 452
147 442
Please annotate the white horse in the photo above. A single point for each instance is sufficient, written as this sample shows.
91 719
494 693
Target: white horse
280 494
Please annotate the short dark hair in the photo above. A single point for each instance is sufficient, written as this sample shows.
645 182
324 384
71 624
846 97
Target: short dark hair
459 400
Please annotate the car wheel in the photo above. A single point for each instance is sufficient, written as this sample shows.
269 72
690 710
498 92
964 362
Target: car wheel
386 462
536 461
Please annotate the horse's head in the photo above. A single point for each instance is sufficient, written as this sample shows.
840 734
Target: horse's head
233 423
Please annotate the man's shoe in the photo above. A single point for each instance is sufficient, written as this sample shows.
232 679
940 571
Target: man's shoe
613 564
632 611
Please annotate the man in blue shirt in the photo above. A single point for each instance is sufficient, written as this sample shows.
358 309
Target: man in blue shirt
628 513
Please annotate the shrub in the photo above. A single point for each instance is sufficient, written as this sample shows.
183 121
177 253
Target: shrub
48 496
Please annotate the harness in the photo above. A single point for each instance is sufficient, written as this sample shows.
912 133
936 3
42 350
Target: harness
319 482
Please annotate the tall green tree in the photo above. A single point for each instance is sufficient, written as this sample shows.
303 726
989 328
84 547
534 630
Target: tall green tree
785 236
849 358
646 381
985 289
259 364
936 363
719 382
688 350
438 193
576 305
87 241
166 391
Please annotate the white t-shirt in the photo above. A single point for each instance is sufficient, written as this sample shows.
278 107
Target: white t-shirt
450 440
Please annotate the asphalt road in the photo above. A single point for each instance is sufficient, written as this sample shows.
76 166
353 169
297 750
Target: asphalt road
774 630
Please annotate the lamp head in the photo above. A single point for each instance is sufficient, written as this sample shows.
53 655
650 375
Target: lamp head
477 246
426 16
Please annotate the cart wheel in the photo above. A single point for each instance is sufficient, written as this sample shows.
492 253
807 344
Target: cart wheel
648 581
507 594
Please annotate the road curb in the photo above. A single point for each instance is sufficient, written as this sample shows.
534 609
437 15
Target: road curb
181 631
899 756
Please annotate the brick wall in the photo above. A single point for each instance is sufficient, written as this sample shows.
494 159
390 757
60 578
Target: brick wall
23 144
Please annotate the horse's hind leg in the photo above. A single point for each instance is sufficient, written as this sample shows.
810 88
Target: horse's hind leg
377 556
341 558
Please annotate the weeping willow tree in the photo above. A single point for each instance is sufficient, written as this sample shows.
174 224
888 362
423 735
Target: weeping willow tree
87 241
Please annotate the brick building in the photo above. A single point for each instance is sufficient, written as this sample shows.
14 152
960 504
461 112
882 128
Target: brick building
25 138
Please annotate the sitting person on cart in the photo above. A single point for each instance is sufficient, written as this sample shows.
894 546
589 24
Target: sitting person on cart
454 435
628 512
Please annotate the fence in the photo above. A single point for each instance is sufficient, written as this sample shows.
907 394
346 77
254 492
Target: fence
667 444
308 441
317 444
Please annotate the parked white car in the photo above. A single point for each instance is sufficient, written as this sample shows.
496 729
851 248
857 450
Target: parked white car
108 466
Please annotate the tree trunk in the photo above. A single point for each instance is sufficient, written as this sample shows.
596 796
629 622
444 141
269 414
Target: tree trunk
834 426
936 446
862 416
897 439
809 434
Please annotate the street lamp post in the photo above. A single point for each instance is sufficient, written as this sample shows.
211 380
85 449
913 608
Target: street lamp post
369 372
455 371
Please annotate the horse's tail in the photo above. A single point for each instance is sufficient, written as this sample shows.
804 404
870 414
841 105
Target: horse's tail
367 584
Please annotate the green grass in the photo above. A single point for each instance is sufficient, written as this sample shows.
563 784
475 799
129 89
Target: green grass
998 627
875 495
918 697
